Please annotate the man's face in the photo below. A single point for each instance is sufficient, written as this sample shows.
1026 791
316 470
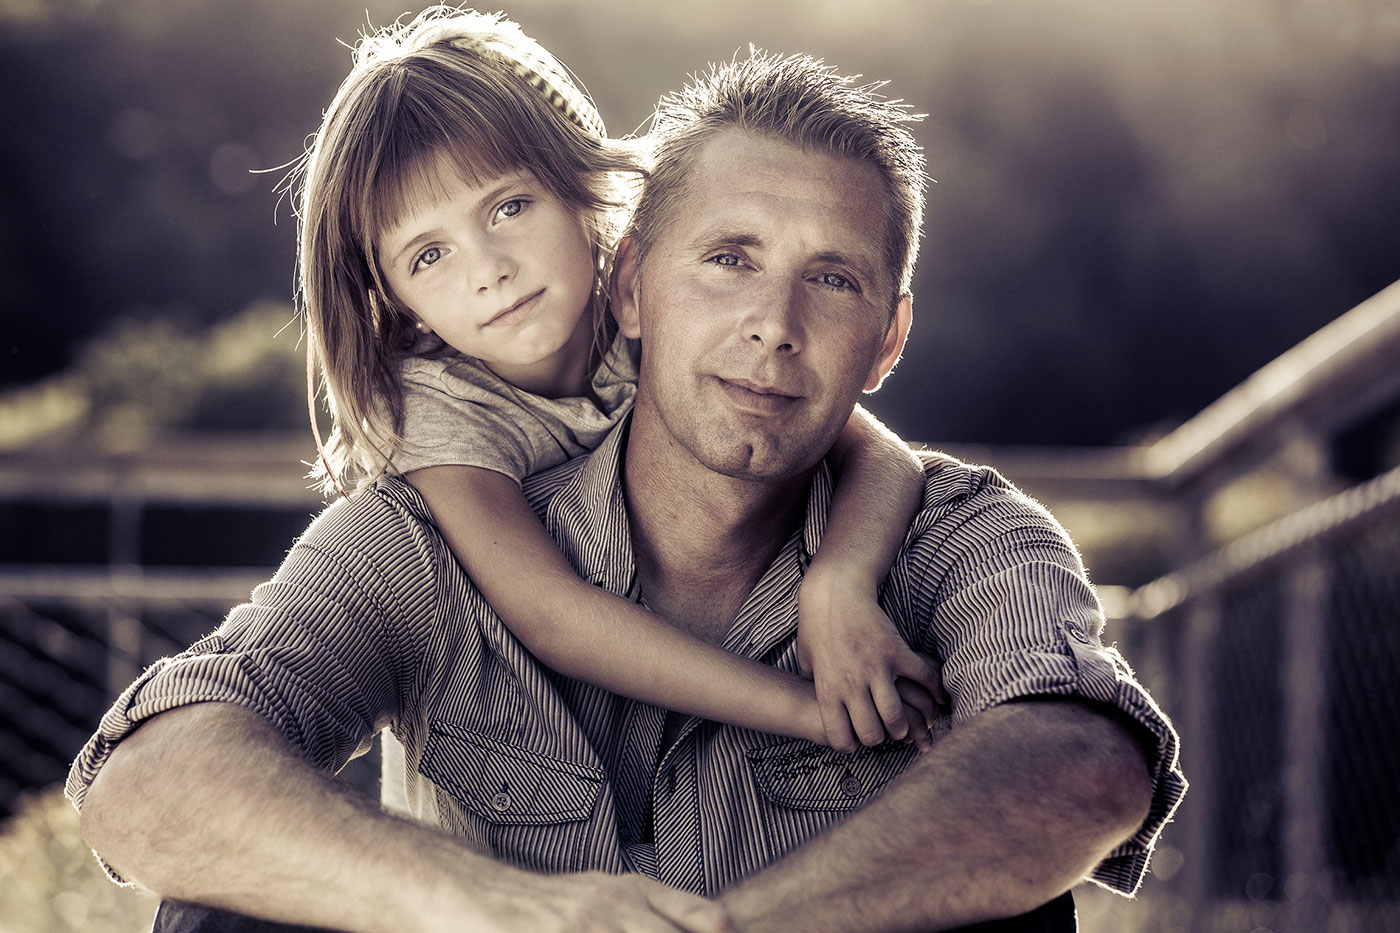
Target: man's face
764 307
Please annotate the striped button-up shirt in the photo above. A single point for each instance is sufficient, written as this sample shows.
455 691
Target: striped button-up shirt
371 625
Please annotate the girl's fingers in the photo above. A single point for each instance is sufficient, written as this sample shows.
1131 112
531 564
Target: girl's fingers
921 735
891 709
865 720
920 699
922 669
837 726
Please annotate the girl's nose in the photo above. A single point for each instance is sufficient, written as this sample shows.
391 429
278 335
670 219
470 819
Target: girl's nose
492 270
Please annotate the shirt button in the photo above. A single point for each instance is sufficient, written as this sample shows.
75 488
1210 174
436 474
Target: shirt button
850 785
500 803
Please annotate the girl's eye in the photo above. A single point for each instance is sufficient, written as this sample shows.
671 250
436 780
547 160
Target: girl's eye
836 280
511 208
426 258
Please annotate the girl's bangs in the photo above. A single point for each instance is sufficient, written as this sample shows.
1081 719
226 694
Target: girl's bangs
431 143
403 181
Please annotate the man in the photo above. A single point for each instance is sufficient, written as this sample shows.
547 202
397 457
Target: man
767 280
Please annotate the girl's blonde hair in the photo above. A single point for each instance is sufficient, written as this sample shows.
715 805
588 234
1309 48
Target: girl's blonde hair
455 84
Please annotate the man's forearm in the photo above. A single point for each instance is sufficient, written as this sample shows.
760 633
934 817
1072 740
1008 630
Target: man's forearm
1004 814
208 803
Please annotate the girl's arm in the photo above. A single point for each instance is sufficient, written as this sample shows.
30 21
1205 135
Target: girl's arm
583 631
845 642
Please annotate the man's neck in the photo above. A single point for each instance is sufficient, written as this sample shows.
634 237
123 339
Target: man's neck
703 540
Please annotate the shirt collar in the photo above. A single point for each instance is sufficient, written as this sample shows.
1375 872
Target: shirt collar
588 517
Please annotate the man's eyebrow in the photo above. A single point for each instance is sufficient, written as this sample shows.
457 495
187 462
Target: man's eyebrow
862 265
724 236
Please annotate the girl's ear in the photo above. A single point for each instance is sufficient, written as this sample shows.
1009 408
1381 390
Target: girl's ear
624 288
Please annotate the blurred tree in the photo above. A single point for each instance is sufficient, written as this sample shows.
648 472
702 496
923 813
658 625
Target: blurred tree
137 380
1137 205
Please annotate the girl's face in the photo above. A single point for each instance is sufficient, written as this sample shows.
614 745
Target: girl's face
502 271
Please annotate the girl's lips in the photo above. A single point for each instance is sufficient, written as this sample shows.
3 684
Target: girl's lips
516 312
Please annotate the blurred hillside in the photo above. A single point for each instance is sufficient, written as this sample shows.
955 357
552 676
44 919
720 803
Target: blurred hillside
1138 204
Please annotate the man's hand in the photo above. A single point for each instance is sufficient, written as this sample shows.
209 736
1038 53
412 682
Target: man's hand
870 684
593 902
208 803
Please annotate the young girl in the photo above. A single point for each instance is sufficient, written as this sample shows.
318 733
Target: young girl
458 209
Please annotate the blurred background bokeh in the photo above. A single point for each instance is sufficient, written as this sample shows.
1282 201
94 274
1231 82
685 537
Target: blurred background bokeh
1139 206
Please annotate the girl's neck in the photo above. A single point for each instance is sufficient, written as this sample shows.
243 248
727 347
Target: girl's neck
566 373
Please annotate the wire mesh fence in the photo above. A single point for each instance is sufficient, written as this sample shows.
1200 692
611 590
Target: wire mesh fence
1279 657
70 640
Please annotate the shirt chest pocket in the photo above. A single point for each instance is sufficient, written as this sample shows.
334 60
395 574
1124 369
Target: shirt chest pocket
529 809
803 788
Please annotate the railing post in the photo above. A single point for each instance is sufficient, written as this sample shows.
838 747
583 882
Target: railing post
1201 616
1306 653
1197 816
124 633
1305 656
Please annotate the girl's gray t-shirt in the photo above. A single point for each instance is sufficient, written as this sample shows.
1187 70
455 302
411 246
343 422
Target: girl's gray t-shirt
458 412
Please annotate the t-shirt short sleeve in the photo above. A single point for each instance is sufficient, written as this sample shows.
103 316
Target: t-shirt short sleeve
453 415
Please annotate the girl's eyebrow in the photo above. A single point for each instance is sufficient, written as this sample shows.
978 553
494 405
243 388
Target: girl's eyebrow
506 183
412 245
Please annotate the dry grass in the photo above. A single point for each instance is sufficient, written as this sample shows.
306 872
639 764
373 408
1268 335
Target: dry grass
51 883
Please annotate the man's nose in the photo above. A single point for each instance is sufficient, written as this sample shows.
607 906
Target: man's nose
775 320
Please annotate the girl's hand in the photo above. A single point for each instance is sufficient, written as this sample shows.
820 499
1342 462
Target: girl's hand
870 684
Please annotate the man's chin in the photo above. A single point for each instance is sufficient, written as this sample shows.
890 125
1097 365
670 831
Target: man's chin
755 462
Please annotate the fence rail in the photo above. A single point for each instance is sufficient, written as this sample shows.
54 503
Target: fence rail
1278 656
1276 650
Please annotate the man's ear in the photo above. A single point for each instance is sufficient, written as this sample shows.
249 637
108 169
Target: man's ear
624 287
893 345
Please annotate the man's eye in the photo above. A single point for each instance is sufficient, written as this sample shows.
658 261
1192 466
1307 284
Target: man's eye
426 258
724 259
836 280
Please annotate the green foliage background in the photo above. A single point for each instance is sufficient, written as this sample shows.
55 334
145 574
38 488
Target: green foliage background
1137 203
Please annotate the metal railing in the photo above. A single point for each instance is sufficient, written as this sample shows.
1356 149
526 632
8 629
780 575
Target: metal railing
1275 648
1278 656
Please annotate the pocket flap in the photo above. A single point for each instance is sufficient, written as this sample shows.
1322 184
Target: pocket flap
506 784
805 776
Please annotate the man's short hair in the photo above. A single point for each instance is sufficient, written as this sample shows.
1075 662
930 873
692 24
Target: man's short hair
799 100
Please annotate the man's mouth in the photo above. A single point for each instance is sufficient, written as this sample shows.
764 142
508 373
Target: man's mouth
516 312
757 398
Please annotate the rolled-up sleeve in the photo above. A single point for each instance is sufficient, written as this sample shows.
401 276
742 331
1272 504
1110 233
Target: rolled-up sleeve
323 650
1008 607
